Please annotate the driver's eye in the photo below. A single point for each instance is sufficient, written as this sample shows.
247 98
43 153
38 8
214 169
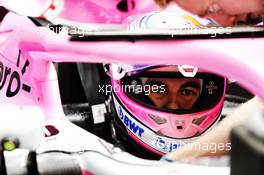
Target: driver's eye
187 92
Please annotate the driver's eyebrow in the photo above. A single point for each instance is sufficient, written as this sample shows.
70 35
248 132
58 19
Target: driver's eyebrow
192 84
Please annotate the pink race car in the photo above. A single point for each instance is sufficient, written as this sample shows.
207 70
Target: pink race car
65 31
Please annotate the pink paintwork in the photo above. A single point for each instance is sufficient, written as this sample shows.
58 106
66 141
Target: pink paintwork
103 11
28 76
86 172
240 59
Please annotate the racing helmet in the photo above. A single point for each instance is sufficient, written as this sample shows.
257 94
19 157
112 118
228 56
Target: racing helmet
162 107
178 19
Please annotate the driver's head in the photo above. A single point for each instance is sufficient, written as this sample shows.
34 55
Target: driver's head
170 102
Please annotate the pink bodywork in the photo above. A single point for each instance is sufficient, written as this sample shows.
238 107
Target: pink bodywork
239 59
92 11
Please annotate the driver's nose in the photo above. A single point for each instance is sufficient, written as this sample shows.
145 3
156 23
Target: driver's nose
172 102
172 105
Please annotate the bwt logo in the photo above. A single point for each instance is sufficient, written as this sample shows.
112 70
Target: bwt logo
14 82
129 123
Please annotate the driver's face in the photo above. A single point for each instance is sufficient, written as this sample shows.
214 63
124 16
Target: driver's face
178 94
